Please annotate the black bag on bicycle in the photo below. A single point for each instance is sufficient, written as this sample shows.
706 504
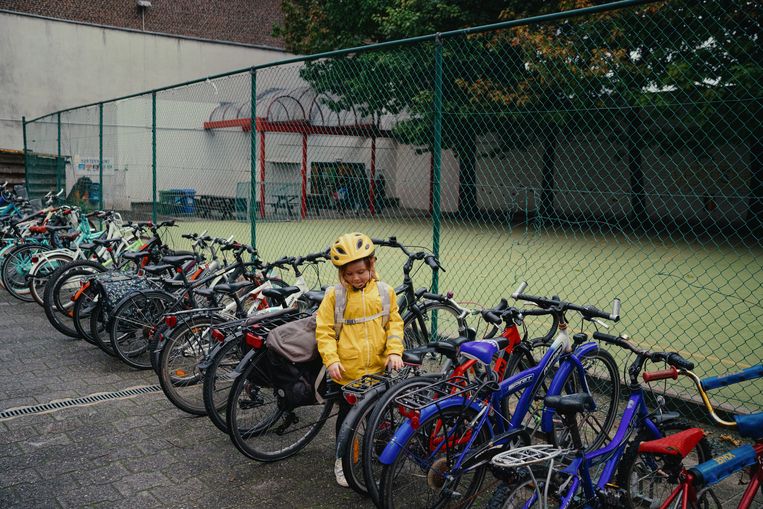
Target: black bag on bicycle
295 366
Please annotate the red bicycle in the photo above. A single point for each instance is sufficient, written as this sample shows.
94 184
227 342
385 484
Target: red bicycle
694 484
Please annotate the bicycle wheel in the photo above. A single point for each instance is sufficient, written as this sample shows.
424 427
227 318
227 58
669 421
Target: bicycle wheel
603 378
526 492
15 268
258 427
382 423
132 323
179 373
421 474
218 382
42 275
648 479
433 321
98 323
64 283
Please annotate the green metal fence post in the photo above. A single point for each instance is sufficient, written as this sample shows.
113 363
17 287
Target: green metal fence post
436 167
58 159
26 160
253 161
153 156
100 155
437 157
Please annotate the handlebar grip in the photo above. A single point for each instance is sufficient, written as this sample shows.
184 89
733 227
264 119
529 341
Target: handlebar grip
615 316
433 296
432 262
491 317
714 382
662 374
608 338
520 290
675 359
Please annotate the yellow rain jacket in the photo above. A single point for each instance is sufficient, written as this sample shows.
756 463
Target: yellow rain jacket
362 348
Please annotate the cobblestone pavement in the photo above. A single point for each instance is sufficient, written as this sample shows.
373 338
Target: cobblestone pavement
139 452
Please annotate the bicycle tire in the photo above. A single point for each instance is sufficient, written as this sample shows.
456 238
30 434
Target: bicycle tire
58 306
217 383
383 422
42 275
252 432
352 459
15 267
83 308
604 385
98 324
429 471
133 321
647 467
517 494
179 376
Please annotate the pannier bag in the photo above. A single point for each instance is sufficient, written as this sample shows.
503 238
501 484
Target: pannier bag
296 369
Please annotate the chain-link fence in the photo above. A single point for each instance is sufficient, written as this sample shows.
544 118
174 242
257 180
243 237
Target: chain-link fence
611 151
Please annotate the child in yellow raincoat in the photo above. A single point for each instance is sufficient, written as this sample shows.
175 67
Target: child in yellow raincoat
370 338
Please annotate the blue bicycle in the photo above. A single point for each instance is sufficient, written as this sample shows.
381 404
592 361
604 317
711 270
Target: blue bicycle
616 475
440 454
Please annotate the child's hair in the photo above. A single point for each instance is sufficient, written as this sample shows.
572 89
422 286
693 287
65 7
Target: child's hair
370 263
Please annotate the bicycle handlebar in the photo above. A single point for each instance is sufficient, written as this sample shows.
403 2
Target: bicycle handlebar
714 382
588 311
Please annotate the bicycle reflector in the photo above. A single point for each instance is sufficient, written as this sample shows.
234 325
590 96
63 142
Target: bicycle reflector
217 335
350 398
171 320
253 340
35 259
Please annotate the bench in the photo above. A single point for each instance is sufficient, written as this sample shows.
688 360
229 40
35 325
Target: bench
209 206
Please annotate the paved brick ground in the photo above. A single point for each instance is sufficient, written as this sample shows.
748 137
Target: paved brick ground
134 453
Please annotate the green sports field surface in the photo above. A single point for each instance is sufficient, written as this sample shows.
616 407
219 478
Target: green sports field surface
702 301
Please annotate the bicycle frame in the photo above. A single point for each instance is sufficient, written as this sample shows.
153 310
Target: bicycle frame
528 381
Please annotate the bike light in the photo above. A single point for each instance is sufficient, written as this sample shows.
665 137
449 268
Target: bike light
217 335
171 320
253 340
350 398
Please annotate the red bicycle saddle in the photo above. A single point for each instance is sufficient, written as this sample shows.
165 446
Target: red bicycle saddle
680 443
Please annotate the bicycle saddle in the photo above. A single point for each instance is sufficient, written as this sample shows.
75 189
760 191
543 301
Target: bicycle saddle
280 293
315 297
229 288
178 260
415 356
678 444
571 403
448 347
135 255
106 242
157 269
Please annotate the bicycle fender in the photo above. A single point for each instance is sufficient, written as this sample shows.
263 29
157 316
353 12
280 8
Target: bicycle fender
404 432
556 386
350 421
720 467
242 364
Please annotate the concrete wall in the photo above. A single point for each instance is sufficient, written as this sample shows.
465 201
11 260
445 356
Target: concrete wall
49 65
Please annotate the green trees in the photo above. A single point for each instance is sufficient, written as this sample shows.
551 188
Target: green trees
681 75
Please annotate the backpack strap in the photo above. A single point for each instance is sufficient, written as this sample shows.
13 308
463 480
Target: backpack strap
340 304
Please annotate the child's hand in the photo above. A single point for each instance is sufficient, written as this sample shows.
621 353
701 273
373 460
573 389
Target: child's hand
394 361
335 371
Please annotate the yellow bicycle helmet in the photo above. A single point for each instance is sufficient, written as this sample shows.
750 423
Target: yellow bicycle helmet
351 247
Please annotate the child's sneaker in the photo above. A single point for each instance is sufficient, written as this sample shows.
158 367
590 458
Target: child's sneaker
339 473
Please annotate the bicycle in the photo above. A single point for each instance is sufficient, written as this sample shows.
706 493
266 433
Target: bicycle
694 484
453 428
586 479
